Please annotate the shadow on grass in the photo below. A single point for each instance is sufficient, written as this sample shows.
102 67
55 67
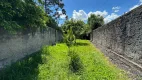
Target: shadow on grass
81 44
25 69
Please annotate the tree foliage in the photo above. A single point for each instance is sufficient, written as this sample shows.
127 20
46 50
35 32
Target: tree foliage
80 28
77 26
69 37
19 15
95 21
52 23
52 7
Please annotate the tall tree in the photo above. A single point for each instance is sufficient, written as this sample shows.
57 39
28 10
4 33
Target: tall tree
52 7
95 21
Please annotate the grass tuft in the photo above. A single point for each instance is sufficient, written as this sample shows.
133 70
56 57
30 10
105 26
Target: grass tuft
75 63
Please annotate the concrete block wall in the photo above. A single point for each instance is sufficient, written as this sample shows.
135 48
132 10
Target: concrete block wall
123 36
15 47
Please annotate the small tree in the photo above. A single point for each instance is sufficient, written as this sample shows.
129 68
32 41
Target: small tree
69 37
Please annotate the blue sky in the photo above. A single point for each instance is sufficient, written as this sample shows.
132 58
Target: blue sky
109 9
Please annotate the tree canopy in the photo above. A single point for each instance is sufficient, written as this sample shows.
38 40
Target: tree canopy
95 21
19 15
78 27
52 7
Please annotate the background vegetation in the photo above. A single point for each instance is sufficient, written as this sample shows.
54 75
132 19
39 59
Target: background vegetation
95 21
80 29
21 15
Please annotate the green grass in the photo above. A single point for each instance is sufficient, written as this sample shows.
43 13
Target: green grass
80 62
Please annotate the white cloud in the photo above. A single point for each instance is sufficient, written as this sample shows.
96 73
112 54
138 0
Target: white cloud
82 15
104 13
60 12
135 6
59 25
107 17
140 1
110 17
62 16
116 9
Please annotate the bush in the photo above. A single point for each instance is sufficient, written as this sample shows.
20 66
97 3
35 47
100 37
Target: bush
69 37
75 63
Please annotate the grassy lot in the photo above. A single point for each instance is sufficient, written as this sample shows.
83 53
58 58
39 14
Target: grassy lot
80 62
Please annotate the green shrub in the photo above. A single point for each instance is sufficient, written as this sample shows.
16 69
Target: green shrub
75 63
69 37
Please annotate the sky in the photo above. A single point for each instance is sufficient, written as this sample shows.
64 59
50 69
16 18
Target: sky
109 9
